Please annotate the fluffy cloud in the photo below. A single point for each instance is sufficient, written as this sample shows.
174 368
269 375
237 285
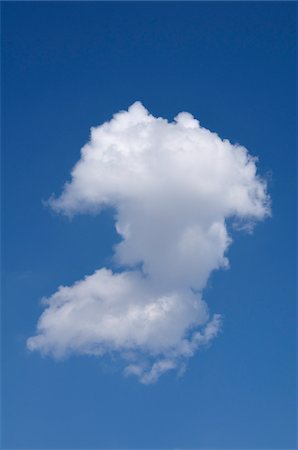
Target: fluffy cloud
173 186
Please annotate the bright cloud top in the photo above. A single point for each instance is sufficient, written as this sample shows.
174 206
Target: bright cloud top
173 186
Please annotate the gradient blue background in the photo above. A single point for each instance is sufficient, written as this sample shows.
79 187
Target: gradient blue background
68 66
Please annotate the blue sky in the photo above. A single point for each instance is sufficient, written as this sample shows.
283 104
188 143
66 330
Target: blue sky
70 66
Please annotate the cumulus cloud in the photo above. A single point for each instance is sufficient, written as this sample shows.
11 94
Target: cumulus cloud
173 186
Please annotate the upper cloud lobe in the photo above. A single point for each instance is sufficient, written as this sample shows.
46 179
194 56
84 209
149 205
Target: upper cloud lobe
173 187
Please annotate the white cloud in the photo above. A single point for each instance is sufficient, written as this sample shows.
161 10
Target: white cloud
173 186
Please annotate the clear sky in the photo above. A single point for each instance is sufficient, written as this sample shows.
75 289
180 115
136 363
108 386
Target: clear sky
69 66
